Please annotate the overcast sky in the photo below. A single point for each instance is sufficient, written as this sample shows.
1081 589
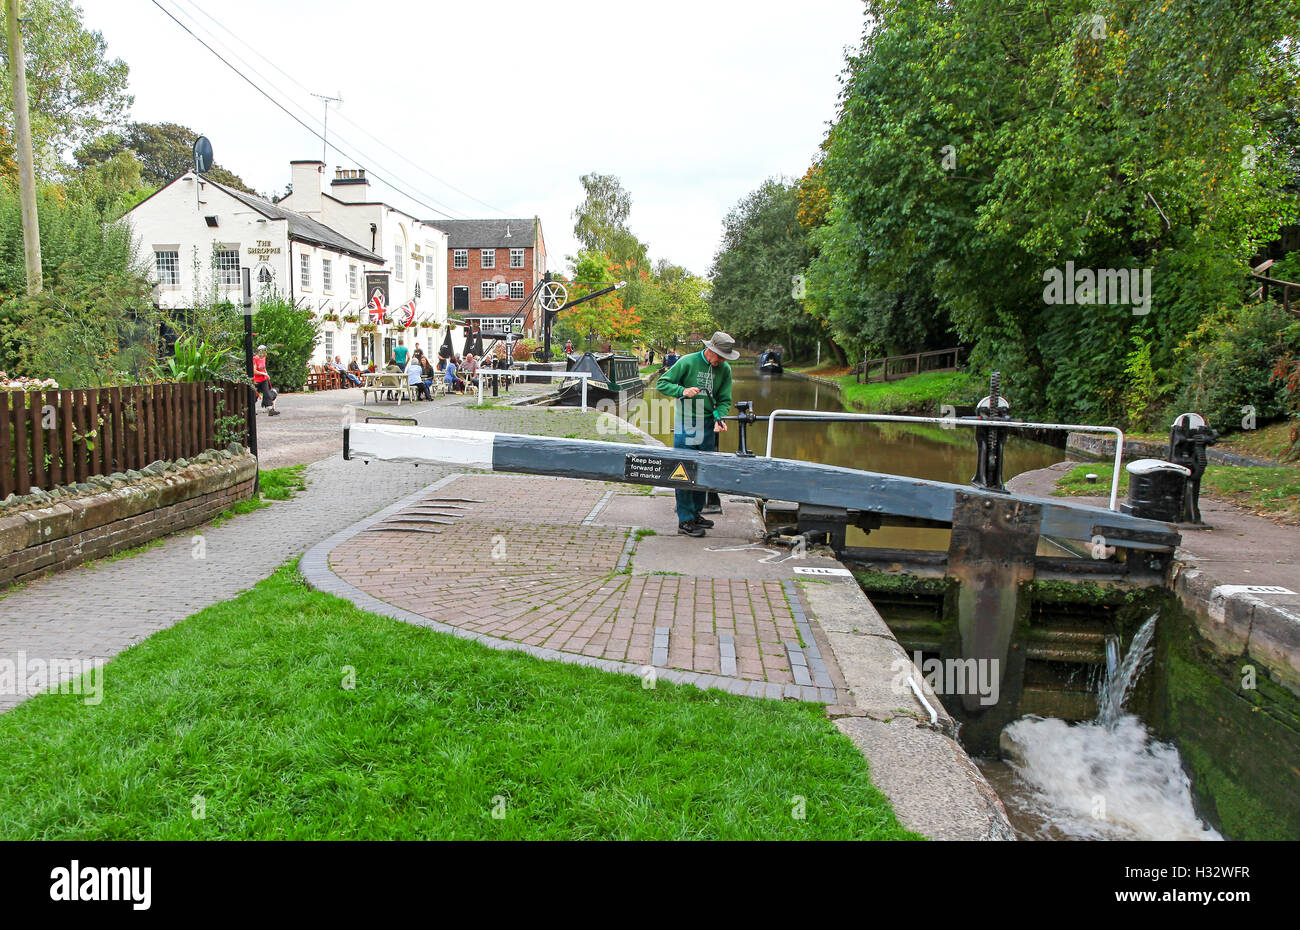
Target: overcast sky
690 104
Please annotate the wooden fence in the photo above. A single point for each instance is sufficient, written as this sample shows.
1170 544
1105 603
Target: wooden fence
1289 291
896 367
52 438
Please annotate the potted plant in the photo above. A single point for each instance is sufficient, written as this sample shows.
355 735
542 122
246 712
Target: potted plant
368 328
351 318
427 324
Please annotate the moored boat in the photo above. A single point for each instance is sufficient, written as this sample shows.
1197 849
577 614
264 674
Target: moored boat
614 377
769 363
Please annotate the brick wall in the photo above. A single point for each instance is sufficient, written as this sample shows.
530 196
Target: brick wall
93 527
474 276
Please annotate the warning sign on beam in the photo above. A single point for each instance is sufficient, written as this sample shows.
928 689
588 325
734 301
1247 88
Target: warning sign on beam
659 469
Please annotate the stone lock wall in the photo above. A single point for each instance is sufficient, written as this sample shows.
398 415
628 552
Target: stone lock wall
48 532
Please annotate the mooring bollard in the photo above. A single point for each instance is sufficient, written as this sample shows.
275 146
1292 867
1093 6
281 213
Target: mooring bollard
1189 437
989 440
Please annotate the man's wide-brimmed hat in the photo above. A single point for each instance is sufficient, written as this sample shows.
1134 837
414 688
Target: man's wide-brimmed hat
724 345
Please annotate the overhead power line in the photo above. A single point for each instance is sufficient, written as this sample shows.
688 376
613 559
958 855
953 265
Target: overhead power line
361 129
414 198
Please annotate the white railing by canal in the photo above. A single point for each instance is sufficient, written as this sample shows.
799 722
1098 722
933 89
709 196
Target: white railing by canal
950 422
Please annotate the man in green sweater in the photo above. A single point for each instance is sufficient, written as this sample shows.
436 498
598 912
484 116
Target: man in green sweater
702 383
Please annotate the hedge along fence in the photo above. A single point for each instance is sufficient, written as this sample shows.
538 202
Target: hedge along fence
52 438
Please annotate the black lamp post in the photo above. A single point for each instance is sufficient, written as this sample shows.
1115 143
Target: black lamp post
246 286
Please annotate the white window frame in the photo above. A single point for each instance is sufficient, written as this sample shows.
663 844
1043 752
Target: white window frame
517 290
161 271
430 272
487 290
487 258
352 282
460 258
328 345
399 263
304 270
227 275
516 258
327 275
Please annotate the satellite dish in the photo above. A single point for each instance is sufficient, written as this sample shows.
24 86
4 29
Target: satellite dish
202 155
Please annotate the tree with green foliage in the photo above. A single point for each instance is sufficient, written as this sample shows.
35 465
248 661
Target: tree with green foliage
600 221
90 267
676 305
165 151
982 145
74 90
763 251
290 335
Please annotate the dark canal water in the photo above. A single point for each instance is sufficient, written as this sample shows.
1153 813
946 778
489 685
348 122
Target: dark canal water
914 450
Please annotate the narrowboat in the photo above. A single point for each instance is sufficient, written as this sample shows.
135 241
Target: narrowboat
613 377
769 363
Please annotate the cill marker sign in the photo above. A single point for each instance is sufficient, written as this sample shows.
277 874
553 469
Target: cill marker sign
659 469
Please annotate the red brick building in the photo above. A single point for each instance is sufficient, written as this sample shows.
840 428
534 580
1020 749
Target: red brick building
482 254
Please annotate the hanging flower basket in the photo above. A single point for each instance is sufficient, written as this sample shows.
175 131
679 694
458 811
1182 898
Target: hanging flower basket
330 318
351 318
428 324
369 328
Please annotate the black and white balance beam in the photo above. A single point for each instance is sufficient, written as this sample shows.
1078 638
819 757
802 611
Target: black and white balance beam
767 478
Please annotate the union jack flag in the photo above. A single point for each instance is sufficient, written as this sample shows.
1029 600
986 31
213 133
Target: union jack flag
377 308
406 313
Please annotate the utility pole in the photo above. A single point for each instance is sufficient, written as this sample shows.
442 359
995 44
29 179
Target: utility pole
23 139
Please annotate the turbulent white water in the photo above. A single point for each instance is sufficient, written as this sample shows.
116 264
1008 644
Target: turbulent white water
1093 781
1106 779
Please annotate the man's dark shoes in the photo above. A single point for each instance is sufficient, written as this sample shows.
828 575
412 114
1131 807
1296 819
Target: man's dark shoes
700 521
690 529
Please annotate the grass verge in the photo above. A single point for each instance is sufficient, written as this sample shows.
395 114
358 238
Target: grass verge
274 484
1267 492
923 394
246 704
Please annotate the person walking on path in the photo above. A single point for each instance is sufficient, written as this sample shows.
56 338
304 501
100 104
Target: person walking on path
399 356
699 421
262 381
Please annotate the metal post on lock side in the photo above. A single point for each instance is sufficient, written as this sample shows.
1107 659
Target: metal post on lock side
989 440
744 417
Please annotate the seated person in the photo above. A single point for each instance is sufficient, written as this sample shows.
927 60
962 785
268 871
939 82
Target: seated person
346 375
426 372
449 376
415 377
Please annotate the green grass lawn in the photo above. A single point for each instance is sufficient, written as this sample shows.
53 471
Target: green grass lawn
1269 492
1271 441
245 705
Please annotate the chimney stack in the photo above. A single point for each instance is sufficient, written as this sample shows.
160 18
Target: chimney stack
350 185
306 176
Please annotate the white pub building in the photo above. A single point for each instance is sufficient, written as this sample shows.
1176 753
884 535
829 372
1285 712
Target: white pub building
330 253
